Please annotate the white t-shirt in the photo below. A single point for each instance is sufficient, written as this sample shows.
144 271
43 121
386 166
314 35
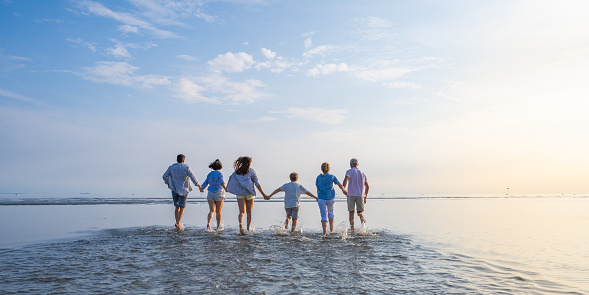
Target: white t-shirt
292 194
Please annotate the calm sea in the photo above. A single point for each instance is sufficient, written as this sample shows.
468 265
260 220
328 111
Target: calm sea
92 244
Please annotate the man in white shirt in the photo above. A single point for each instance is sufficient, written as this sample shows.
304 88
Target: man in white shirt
177 178
357 191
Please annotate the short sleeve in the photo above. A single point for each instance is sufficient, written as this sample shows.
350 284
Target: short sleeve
303 189
335 180
283 187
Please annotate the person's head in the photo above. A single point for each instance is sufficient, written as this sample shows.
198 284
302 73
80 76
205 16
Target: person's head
294 176
180 158
242 165
216 165
354 162
325 167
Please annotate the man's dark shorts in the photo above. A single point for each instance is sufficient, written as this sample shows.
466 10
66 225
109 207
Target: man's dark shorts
179 201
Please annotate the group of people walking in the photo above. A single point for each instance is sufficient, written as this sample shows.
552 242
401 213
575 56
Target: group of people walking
244 181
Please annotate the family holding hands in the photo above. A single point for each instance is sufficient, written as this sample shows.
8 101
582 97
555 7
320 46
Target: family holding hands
244 180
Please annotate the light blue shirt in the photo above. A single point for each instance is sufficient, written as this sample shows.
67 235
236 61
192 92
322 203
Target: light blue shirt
177 177
324 185
242 185
214 179
292 194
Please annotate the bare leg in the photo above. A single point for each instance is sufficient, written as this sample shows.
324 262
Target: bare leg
211 212
249 206
219 205
352 220
179 213
324 225
331 224
361 215
287 219
294 225
241 205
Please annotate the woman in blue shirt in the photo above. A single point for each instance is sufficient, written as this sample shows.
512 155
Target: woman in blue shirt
216 192
326 195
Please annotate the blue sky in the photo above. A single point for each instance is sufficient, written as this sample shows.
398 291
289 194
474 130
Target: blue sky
431 96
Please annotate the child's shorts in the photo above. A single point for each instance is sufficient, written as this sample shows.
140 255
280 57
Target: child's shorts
294 211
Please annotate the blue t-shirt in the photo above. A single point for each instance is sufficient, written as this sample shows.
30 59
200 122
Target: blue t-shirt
214 181
324 185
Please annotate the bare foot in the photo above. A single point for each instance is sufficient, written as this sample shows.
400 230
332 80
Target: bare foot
176 225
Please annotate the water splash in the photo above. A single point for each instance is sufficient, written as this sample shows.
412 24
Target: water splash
342 230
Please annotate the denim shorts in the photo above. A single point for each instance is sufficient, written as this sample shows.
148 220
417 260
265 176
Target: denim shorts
179 201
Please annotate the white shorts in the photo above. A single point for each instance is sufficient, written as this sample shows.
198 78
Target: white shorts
216 196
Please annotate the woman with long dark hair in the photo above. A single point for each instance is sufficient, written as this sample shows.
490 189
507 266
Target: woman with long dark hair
241 183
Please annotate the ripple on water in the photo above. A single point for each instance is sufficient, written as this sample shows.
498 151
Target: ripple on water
164 260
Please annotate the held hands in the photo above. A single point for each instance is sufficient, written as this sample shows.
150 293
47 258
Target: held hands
201 189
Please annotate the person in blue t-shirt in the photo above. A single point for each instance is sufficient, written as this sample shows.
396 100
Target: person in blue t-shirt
292 195
216 192
326 195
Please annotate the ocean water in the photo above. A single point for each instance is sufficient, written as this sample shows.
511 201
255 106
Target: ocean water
532 245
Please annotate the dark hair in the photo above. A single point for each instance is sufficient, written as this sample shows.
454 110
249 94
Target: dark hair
216 165
180 158
293 176
325 167
242 165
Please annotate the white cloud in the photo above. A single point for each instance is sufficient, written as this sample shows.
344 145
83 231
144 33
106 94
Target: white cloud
192 92
328 69
232 62
319 50
327 116
122 73
382 74
127 19
308 43
129 29
276 64
269 54
87 44
219 89
5 93
373 28
119 50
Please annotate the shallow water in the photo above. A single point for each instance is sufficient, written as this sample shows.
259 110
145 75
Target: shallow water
425 246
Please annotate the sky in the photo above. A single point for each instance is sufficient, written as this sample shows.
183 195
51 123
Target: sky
432 97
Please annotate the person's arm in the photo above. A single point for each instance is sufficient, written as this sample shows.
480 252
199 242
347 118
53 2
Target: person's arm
205 183
343 189
273 193
310 194
366 187
261 191
345 181
224 186
166 177
193 178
